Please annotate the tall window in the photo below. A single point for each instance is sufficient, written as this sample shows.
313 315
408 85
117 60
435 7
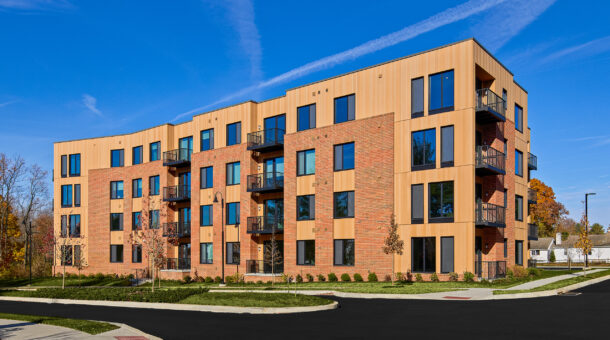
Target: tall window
207 139
137 187
345 108
518 208
344 204
136 220
153 185
207 178
116 221
66 255
505 247
74 225
344 156
233 252
116 253
233 213
518 163
441 92
417 97
136 253
206 253
205 215
344 253
446 146
234 133
116 158
64 166
154 220
64 225
417 203
505 98
306 207
77 195
441 202
423 254
447 254
519 253
75 165
155 151
77 255
306 117
306 253
423 150
116 189
137 155
66 195
518 118
233 173
306 162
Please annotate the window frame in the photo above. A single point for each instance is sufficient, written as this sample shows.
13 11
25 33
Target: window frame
518 208
424 166
136 192
232 165
452 256
423 202
201 177
305 163
440 219
446 164
158 151
152 218
70 161
237 126
156 186
344 253
76 193
442 108
135 224
347 97
417 114
137 151
312 209
77 221
64 166
201 252
114 191
233 261
303 261
121 155
342 147
117 246
518 163
237 213
518 256
211 215
121 222
518 121
353 204
134 258
425 268
66 196
311 121
211 139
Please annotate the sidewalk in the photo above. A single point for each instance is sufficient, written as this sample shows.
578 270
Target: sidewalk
542 282
16 329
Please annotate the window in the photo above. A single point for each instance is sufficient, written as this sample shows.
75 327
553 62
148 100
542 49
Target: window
207 140
116 189
74 225
137 155
345 254
116 221
344 204
505 247
136 220
441 92
518 208
306 117
446 146
345 108
232 252
66 195
306 207
116 253
206 175
64 166
206 253
153 184
306 162
518 118
441 202
519 253
155 151
423 254
64 225
77 195
423 150
233 173
234 133
447 254
137 187
505 98
344 156
66 255
306 253
535 252
154 219
116 158
77 255
205 215
75 165
417 203
518 163
417 97
136 253
233 213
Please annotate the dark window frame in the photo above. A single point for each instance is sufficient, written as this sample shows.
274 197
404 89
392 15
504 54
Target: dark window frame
121 155
304 153
440 219
344 253
518 121
446 164
134 152
237 126
237 213
425 268
121 222
232 164
417 114
353 203
211 143
201 177
64 166
66 196
425 165
76 173
233 252
136 220
347 106
158 152
518 208
74 232
442 108
518 163
201 252
310 115
312 209
211 214
76 193
518 257
114 191
136 253
151 218
423 200
304 261
117 247
452 256
134 190
335 158
152 192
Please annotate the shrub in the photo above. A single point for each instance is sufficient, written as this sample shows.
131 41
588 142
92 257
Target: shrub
419 278
269 282
332 277
409 277
468 277
309 277
113 294
91 276
217 279
509 274
387 278
552 258
372 277
259 282
453 276
130 276
533 271
229 279
321 278
519 272
434 277
209 279
83 276
358 277
299 278
345 277
400 276
187 279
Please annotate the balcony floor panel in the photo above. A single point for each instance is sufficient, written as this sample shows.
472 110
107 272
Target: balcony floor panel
488 115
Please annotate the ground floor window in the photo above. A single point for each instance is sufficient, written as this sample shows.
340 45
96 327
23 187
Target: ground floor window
232 252
519 253
423 254
136 253
206 253
116 253
306 252
66 255
345 254
536 252
447 253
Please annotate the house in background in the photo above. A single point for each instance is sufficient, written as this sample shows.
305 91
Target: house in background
540 250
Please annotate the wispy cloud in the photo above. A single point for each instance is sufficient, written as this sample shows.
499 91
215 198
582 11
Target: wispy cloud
586 138
90 103
241 16
35 5
8 103
592 47
441 19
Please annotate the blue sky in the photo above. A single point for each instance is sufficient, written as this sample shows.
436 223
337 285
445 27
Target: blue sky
73 70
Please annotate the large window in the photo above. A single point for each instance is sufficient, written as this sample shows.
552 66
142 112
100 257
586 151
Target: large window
75 165
417 97
417 203
74 225
207 178
155 151
116 253
64 225
518 118
233 213
153 185
233 173
306 253
66 255
207 140
306 207
423 150
423 254
232 252
116 189
137 187
116 158
66 195
345 108
344 253
306 162
505 98
344 156
116 221
205 215
519 253
441 202
344 204
136 220
77 195
441 92
136 253
447 254
518 208
154 220
446 146
306 117
206 253
518 163
137 155
64 166
234 133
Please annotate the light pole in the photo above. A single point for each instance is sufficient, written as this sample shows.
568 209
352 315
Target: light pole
587 222
222 226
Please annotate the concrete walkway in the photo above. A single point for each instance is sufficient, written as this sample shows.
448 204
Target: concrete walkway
542 282
16 329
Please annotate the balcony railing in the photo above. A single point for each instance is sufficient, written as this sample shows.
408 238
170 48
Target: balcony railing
266 140
532 232
178 157
490 215
265 225
266 182
177 193
490 107
180 263
490 270
532 161
177 229
490 161
263 267
532 196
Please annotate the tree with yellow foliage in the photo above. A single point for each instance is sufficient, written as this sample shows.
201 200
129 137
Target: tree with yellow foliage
584 244
546 212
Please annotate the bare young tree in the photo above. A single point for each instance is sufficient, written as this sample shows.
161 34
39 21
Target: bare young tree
393 245
63 251
32 199
80 257
11 171
273 255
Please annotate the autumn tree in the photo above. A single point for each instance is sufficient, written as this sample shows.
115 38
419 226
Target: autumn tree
597 229
11 170
546 212
584 244
393 245
567 225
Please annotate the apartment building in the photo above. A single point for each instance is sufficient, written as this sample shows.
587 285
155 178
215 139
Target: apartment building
437 141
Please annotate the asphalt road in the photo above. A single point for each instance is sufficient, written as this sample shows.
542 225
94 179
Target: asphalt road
562 317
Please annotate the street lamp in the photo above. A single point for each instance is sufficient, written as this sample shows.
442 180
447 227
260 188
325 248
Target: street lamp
222 226
587 222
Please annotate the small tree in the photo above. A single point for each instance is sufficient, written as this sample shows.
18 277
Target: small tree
552 256
393 245
584 244
63 249
273 256
80 258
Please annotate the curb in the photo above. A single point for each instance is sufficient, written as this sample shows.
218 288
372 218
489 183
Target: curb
129 328
546 293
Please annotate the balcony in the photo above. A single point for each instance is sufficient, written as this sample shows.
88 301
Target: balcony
266 182
489 161
263 267
177 193
265 225
177 229
181 263
490 215
266 140
532 161
532 196
532 232
177 158
490 107
490 270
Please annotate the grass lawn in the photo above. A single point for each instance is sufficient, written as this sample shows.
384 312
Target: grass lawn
256 300
557 284
70 282
91 327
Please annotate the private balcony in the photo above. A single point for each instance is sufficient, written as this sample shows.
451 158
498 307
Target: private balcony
532 161
490 270
265 225
177 158
177 193
266 140
266 182
263 267
177 229
490 107
532 196
181 263
489 161
490 215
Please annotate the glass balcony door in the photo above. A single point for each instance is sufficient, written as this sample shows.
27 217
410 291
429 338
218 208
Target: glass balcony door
186 148
274 214
274 171
275 128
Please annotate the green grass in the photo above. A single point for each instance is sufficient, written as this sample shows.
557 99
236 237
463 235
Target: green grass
256 300
556 284
70 282
108 294
91 327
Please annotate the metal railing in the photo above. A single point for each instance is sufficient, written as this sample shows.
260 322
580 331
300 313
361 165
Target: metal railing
176 229
268 181
263 267
532 232
178 156
176 193
487 100
490 214
532 161
265 138
490 270
180 263
489 157
532 196
265 225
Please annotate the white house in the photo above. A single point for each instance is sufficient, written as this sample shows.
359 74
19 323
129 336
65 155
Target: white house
566 249
540 249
